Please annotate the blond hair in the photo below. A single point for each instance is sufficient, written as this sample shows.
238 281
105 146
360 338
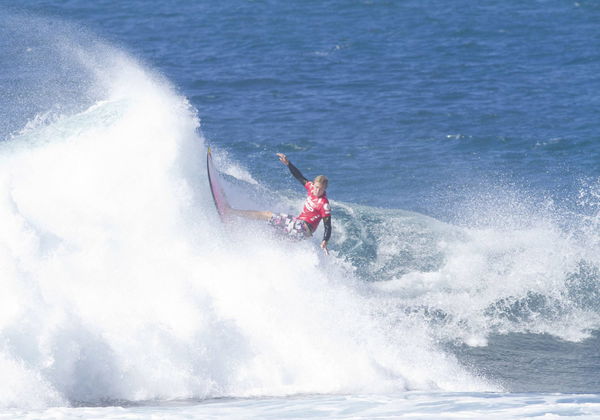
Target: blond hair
322 179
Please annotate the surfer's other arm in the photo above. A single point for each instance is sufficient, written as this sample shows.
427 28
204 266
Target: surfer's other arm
327 234
295 171
327 226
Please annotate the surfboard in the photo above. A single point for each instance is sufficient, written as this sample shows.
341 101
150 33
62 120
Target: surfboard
218 194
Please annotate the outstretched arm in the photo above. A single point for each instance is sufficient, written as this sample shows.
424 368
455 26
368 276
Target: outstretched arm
297 174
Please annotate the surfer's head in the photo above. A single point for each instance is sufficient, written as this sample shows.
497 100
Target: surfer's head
320 185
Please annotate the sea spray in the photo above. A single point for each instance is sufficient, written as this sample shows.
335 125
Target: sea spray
121 284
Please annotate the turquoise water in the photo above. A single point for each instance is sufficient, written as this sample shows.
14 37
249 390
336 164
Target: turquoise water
462 149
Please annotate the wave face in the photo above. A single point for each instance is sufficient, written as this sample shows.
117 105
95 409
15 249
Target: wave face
119 282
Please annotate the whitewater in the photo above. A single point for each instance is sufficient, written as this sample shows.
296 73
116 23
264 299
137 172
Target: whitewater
125 297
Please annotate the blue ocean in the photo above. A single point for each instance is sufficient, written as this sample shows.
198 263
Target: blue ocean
462 145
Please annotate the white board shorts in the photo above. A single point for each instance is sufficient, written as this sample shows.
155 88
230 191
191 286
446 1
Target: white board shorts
290 226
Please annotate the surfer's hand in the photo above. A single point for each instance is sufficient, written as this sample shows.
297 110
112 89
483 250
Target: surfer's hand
283 158
324 246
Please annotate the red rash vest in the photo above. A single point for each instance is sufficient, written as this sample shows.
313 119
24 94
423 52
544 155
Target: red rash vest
315 208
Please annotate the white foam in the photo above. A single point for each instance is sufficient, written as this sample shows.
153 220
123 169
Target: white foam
129 287
430 405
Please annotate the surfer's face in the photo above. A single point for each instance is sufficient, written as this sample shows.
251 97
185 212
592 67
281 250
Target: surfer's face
318 189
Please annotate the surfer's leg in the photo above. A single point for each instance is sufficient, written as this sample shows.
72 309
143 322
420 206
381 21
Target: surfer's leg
252 214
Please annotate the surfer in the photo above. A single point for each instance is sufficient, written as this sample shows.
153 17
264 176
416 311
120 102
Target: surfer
316 207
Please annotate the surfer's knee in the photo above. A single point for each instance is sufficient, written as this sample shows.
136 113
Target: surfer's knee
268 214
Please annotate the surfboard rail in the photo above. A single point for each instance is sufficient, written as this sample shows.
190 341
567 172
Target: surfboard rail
218 195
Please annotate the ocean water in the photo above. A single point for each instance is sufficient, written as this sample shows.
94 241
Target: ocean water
461 143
